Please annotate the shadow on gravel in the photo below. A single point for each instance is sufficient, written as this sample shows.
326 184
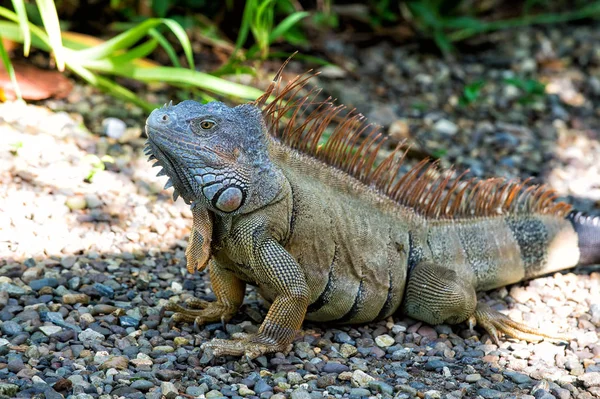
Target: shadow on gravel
91 324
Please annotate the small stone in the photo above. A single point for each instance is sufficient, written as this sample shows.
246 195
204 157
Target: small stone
127 321
181 341
168 374
68 261
334 367
76 203
261 386
380 386
117 362
142 385
142 364
168 390
88 335
245 391
9 390
71 299
488 393
213 394
444 126
300 393
518 378
294 378
432 394
164 348
37 285
361 379
104 290
348 350
590 379
11 328
49 330
384 341
434 364
360 392
114 127
196 391
473 377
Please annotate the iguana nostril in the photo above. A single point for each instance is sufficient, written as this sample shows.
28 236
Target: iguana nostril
165 118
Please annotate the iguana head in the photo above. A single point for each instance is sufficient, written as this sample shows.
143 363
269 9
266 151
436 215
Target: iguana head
214 155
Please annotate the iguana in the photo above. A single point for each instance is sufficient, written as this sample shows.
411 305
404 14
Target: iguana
331 231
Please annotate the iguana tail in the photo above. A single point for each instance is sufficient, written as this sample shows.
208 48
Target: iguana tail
588 233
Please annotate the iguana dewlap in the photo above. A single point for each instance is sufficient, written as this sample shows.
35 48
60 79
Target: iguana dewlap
327 232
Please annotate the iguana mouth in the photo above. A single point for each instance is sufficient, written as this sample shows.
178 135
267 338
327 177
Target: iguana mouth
177 178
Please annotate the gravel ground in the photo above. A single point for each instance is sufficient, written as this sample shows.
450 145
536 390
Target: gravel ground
89 255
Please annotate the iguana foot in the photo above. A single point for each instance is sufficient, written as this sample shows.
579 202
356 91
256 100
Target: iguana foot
249 345
495 322
200 312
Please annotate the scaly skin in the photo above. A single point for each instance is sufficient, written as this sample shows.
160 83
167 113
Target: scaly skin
321 245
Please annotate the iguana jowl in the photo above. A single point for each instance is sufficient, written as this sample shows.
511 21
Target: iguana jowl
327 235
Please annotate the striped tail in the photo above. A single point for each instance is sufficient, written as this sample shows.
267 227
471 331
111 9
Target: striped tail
588 232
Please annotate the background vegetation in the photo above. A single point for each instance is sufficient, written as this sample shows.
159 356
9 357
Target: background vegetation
157 41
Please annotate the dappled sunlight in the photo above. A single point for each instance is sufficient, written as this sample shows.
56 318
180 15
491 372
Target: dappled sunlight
59 201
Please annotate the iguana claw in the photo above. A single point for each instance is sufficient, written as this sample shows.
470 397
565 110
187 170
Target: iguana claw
495 322
242 344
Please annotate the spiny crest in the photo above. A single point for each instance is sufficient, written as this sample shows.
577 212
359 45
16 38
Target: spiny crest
300 120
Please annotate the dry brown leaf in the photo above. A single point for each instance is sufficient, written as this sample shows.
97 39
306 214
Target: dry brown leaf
35 83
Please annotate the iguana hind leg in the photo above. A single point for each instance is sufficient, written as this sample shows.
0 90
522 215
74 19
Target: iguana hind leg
229 291
438 295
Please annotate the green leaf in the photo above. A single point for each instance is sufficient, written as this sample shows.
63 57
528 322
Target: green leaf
286 24
166 46
140 51
52 26
20 10
9 68
128 38
110 87
177 77
183 38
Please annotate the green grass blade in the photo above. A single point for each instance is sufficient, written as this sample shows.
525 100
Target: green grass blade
179 32
36 31
14 32
178 77
286 24
20 10
166 46
120 42
9 69
111 87
244 28
137 52
50 20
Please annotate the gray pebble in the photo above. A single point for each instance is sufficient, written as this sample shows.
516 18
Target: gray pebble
517 377
300 393
142 385
261 386
490 393
44 282
11 328
334 367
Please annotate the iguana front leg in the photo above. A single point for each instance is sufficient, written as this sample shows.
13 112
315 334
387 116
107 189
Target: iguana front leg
280 272
198 253
229 291
438 295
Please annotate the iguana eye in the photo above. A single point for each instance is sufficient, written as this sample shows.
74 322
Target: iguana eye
207 124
